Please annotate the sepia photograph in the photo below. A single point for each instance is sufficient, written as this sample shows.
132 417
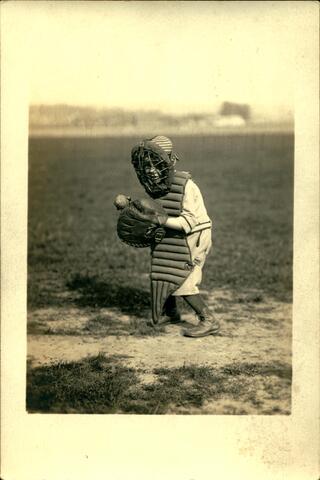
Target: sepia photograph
159 240
160 212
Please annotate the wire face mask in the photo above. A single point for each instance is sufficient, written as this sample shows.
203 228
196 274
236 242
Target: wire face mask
153 172
154 168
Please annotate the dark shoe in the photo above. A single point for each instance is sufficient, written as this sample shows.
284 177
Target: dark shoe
171 319
205 328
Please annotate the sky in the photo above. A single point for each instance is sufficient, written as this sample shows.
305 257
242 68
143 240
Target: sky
172 56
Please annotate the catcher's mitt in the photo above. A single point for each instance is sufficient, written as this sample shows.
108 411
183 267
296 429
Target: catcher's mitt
140 223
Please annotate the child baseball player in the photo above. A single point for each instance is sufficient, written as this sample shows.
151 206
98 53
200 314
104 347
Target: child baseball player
177 261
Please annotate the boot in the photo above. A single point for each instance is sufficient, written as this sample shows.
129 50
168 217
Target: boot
208 325
170 311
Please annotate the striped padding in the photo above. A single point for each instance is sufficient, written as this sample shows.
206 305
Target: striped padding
162 262
164 142
179 241
171 258
173 196
176 272
164 247
176 189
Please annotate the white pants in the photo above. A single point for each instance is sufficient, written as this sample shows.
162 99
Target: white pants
198 254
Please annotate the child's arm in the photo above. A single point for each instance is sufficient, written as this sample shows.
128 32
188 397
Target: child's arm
175 223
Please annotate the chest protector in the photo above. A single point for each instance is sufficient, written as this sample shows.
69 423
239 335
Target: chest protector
171 260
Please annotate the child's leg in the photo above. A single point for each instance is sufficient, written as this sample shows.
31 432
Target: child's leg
196 302
208 325
170 309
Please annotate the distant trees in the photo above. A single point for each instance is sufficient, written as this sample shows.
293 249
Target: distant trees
116 119
230 108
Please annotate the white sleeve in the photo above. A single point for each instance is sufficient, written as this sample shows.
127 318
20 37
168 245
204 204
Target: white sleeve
188 214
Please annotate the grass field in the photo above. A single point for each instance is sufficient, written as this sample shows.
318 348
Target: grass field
85 286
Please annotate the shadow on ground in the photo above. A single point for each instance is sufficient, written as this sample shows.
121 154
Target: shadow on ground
99 326
93 292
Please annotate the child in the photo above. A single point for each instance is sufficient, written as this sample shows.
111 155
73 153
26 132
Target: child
187 223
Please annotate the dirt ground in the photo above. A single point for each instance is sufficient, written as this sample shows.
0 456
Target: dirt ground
254 330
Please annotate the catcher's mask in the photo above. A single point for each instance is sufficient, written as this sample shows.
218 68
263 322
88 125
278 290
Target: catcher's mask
154 162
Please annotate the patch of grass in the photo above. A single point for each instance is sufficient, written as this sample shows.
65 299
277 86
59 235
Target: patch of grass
60 331
251 298
94 385
183 387
268 322
143 328
221 310
235 320
35 327
104 325
103 385
41 293
278 369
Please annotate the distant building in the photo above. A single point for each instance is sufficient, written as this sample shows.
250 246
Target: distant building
238 109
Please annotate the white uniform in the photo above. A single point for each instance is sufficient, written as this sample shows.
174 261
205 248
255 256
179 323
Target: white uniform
196 223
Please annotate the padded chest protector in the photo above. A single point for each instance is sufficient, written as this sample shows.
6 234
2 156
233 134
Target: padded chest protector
171 260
